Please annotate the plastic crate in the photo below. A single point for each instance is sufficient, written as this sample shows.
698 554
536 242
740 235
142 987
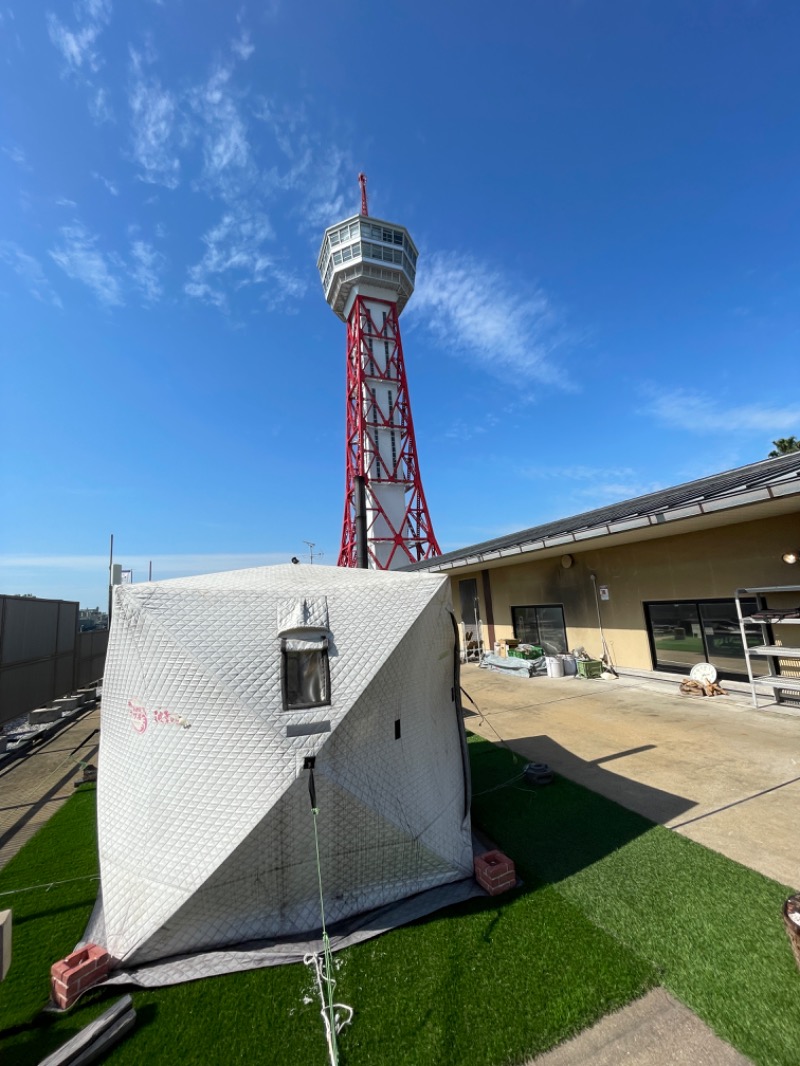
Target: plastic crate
518 653
590 668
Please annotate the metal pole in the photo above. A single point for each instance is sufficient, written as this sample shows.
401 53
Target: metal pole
110 578
361 522
150 574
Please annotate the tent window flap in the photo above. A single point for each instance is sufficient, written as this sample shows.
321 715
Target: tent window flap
305 674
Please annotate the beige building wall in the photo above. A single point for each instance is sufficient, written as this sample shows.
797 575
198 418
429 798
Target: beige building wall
706 564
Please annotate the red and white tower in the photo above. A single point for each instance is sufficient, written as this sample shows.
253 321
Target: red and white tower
367 268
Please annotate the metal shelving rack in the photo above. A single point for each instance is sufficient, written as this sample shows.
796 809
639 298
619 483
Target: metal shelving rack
772 652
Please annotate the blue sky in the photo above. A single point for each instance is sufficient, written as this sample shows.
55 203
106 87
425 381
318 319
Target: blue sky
606 201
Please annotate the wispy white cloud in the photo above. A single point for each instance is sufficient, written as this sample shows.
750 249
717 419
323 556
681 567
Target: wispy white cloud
594 484
80 50
578 473
17 155
602 492
242 46
690 410
29 269
110 185
85 577
62 201
78 46
100 106
477 311
228 166
325 178
154 127
147 267
235 257
175 565
81 259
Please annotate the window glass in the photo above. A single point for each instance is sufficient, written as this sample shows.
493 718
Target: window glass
542 625
306 674
724 638
686 632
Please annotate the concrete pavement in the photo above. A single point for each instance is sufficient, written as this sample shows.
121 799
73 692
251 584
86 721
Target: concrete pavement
33 789
714 768
656 1030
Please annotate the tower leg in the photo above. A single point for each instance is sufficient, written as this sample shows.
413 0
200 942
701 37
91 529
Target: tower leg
380 444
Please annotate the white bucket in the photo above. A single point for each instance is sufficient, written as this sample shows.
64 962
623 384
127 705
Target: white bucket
555 666
570 665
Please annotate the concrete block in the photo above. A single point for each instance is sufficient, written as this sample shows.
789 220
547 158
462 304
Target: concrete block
43 715
65 703
79 971
495 872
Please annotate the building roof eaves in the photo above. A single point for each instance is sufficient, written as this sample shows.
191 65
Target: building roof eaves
761 481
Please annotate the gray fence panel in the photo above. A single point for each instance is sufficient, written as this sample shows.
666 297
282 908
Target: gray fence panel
67 627
91 656
63 675
29 629
42 654
24 687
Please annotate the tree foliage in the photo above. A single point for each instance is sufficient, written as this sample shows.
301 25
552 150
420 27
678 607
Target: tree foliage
784 445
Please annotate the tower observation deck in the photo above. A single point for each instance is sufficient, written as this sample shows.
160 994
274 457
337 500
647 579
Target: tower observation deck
368 267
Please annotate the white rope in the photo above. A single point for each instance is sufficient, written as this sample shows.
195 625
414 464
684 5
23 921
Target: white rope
504 785
341 1014
50 884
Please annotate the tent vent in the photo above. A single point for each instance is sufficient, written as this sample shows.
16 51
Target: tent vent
308 729
397 729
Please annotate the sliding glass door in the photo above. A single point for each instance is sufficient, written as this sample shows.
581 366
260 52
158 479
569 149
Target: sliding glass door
685 632
541 624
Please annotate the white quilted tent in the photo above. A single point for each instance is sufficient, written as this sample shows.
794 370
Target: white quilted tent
217 692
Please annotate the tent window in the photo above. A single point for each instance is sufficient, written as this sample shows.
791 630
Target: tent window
306 677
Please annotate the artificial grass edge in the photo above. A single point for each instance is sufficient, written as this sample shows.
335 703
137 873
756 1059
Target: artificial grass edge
725 955
472 963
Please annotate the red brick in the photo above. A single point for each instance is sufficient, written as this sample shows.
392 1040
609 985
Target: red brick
496 890
495 872
77 972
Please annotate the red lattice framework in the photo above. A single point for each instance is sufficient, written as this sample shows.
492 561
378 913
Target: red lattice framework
414 539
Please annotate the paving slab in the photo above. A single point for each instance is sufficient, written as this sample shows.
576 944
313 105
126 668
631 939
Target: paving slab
714 769
653 1031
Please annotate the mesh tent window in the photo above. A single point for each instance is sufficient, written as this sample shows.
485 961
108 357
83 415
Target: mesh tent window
305 674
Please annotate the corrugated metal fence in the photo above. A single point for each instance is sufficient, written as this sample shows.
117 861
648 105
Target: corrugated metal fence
42 654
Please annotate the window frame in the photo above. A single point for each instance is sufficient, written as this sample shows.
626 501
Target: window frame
326 666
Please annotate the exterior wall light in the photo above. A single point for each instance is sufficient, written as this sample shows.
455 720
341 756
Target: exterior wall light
567 561
791 557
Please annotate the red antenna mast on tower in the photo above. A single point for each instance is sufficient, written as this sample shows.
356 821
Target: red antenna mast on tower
368 268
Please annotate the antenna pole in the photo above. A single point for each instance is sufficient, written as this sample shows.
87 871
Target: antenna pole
312 555
362 181
110 578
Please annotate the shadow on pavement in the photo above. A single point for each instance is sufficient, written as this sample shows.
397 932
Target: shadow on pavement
553 831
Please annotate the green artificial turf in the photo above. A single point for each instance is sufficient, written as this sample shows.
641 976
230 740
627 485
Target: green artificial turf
712 927
611 905
484 983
